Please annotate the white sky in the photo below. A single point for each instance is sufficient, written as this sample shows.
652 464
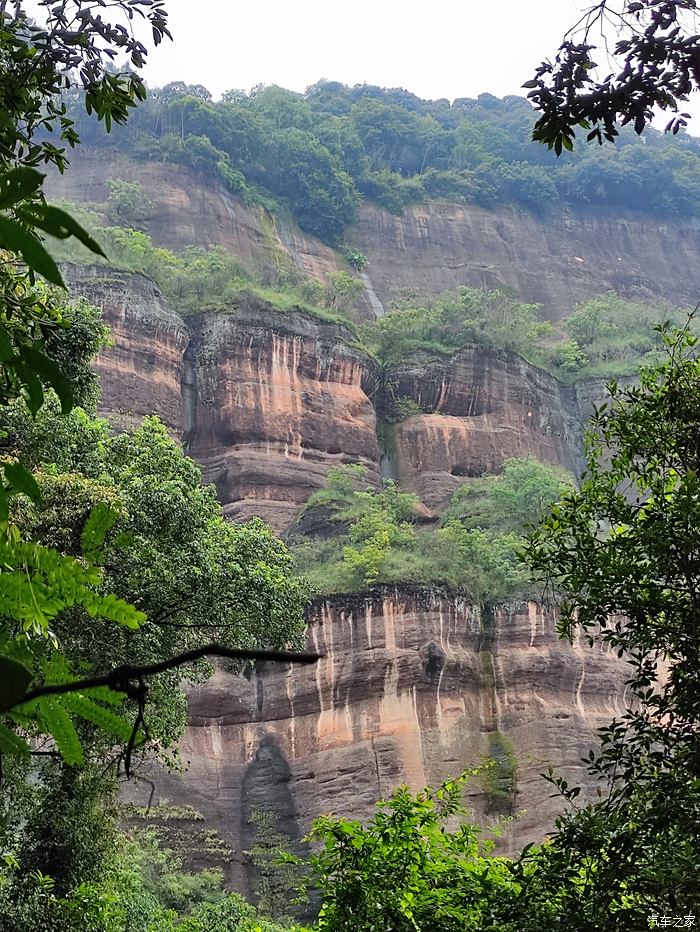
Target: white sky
434 48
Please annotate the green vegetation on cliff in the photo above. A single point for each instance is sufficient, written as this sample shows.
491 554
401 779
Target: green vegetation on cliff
211 278
475 548
606 336
321 151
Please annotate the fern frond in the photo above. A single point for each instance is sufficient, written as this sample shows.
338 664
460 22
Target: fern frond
106 695
101 520
105 719
56 670
58 723
11 743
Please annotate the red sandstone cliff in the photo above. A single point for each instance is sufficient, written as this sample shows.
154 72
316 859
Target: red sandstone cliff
273 400
413 687
267 401
413 682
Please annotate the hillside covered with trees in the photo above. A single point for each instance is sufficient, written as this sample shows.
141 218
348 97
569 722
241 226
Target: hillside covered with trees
120 574
320 152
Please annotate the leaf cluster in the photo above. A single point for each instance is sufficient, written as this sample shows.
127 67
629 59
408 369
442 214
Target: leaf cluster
657 52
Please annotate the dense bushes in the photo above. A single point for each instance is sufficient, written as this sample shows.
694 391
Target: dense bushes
605 336
197 277
141 887
320 151
475 547
453 320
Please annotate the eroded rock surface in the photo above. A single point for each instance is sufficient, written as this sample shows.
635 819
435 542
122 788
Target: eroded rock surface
481 406
141 371
267 401
414 686
273 401
555 258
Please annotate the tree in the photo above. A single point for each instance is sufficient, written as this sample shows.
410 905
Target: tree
624 549
127 203
38 63
513 501
342 291
658 51
407 869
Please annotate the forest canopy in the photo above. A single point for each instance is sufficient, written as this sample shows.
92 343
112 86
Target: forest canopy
319 153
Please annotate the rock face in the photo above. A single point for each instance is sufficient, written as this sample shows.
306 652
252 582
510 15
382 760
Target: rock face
555 259
414 686
481 406
193 210
267 401
273 400
141 372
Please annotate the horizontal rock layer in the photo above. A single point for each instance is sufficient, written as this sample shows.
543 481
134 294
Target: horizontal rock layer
482 406
555 258
414 686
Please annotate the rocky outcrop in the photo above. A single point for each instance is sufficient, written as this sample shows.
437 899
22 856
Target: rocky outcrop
273 400
268 401
480 407
192 209
141 371
414 685
553 258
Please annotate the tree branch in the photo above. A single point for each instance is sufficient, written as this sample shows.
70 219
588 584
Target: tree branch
129 679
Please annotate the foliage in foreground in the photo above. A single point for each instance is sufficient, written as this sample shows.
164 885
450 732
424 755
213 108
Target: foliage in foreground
406 870
133 883
623 549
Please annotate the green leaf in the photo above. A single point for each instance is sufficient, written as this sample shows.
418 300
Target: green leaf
109 696
60 726
11 743
32 386
16 238
21 479
14 682
6 348
101 519
18 185
105 719
60 224
51 373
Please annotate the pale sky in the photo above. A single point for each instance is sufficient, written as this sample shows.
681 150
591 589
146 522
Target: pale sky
434 48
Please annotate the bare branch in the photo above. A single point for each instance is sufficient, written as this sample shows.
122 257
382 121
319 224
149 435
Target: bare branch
129 679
